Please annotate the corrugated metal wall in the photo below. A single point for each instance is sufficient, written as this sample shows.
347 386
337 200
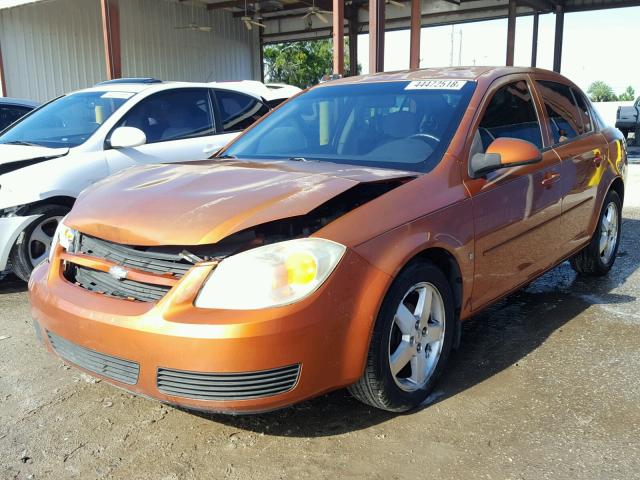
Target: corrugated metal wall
151 45
53 47
50 48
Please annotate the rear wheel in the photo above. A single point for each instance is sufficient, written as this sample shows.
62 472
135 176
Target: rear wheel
411 340
598 257
33 245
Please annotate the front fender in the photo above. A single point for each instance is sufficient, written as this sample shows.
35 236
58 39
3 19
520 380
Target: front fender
449 229
64 176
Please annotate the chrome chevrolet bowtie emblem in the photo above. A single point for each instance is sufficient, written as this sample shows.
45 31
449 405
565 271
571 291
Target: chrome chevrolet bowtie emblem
118 272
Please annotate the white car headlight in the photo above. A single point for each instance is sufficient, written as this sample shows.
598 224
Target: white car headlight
270 276
63 236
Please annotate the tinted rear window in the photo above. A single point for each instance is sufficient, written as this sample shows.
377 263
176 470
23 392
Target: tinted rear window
564 116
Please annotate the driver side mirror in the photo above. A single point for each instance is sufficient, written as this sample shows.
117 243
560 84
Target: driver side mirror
127 137
502 153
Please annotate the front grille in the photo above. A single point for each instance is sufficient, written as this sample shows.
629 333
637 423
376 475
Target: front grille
102 282
160 261
124 371
149 259
227 386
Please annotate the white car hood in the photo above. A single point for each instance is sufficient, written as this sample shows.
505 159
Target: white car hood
20 153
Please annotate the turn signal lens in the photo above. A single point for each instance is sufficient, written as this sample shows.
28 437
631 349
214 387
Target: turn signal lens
302 268
64 236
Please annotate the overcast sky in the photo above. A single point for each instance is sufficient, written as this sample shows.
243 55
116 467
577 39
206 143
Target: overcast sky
600 45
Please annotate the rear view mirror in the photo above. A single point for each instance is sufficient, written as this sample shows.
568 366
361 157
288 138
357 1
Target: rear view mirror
503 153
127 137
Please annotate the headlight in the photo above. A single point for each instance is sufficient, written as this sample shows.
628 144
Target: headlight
270 276
64 236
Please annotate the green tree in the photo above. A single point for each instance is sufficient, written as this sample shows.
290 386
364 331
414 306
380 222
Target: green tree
302 64
599 91
629 95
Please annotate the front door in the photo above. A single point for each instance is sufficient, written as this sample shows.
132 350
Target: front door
516 209
179 126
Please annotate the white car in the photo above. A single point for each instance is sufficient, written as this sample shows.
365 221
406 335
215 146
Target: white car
49 156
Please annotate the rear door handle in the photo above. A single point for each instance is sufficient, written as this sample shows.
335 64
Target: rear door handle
549 179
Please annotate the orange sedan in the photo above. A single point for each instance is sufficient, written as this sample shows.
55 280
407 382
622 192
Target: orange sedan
339 242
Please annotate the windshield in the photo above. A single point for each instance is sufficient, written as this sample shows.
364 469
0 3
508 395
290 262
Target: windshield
66 122
399 125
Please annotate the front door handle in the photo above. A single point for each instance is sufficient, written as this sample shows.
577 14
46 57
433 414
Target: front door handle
549 179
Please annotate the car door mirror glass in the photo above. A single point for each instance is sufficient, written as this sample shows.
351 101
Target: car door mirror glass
502 153
127 137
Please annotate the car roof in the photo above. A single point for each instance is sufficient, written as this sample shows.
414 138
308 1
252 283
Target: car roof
136 88
471 73
19 102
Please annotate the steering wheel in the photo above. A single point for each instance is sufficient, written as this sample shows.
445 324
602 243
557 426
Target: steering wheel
431 140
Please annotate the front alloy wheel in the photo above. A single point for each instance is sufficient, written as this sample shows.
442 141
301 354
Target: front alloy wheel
33 246
411 340
416 338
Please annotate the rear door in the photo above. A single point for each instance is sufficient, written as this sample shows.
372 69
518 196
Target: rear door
179 125
515 209
582 151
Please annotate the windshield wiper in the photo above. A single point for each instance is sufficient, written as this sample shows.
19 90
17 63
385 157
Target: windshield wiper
26 144
227 157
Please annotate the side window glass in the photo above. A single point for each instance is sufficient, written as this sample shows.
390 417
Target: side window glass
510 113
238 110
9 114
564 116
172 115
583 109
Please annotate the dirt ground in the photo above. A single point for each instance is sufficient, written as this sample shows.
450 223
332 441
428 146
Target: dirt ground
545 386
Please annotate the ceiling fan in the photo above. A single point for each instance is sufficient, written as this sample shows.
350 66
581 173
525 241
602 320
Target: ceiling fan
317 12
193 25
249 21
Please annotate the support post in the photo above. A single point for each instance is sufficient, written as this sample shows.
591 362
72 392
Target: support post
557 48
338 37
534 40
376 35
261 42
111 36
3 78
416 25
354 26
511 32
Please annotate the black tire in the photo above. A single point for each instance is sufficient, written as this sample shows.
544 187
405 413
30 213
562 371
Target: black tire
377 386
25 250
589 260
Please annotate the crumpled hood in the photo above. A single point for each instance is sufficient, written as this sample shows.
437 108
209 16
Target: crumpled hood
203 202
13 157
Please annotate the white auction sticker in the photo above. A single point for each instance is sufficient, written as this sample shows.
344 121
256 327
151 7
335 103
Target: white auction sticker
124 95
436 85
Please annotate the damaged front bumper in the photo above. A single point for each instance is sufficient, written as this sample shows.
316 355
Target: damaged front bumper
10 229
234 361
